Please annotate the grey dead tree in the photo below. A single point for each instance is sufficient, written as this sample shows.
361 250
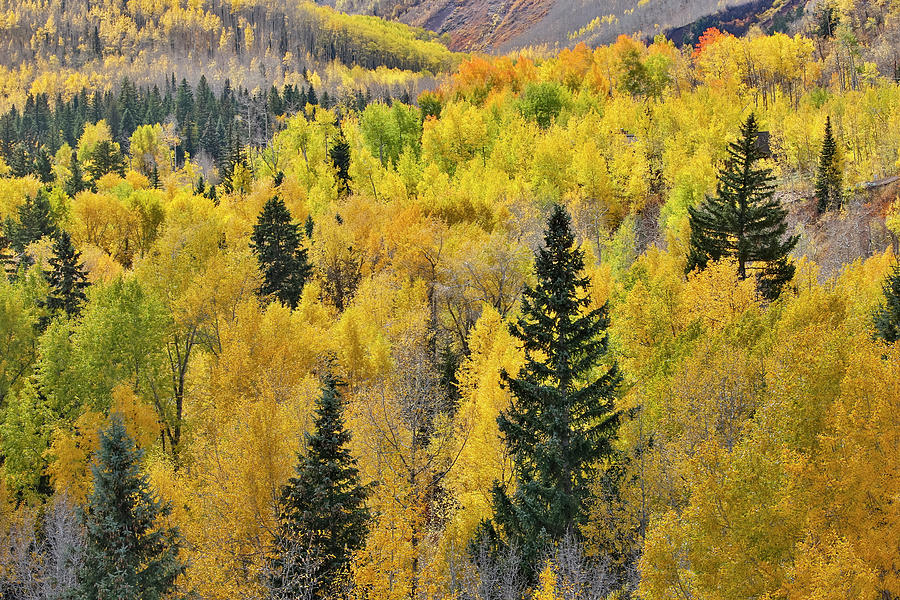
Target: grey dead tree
40 557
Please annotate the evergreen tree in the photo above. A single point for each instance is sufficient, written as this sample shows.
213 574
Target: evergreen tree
75 183
829 179
887 316
276 241
129 553
7 258
340 158
106 158
561 422
19 164
42 166
744 221
35 221
66 278
322 516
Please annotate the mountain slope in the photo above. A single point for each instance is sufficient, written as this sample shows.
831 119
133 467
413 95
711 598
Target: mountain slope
60 46
503 25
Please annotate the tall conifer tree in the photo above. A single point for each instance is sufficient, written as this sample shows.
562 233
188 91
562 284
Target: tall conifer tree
829 179
562 420
75 183
887 315
66 278
744 221
322 514
340 158
36 220
276 241
130 554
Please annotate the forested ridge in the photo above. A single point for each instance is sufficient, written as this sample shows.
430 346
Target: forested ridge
618 322
61 46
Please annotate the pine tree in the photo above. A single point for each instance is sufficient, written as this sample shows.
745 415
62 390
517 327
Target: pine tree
106 158
744 221
7 258
322 516
887 316
35 221
66 278
130 554
75 183
561 422
829 179
340 158
42 166
276 241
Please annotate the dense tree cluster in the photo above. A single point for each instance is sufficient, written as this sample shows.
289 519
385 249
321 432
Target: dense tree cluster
200 123
651 429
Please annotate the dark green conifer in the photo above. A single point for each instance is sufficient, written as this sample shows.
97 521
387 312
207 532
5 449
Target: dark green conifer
36 220
7 257
887 315
322 514
276 242
106 158
75 183
340 158
562 420
744 221
66 278
130 554
829 179
43 168
19 163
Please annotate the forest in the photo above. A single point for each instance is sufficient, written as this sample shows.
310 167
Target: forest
616 322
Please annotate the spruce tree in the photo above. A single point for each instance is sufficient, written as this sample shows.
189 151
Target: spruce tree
7 257
106 158
35 221
887 316
42 166
340 158
276 241
322 516
829 179
130 554
561 421
75 183
66 278
744 221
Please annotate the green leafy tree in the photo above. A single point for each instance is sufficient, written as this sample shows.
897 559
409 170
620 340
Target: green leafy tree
66 278
542 102
129 553
829 179
744 221
562 420
322 514
276 242
887 316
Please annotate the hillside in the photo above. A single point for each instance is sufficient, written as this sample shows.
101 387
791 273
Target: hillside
61 46
617 322
501 26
